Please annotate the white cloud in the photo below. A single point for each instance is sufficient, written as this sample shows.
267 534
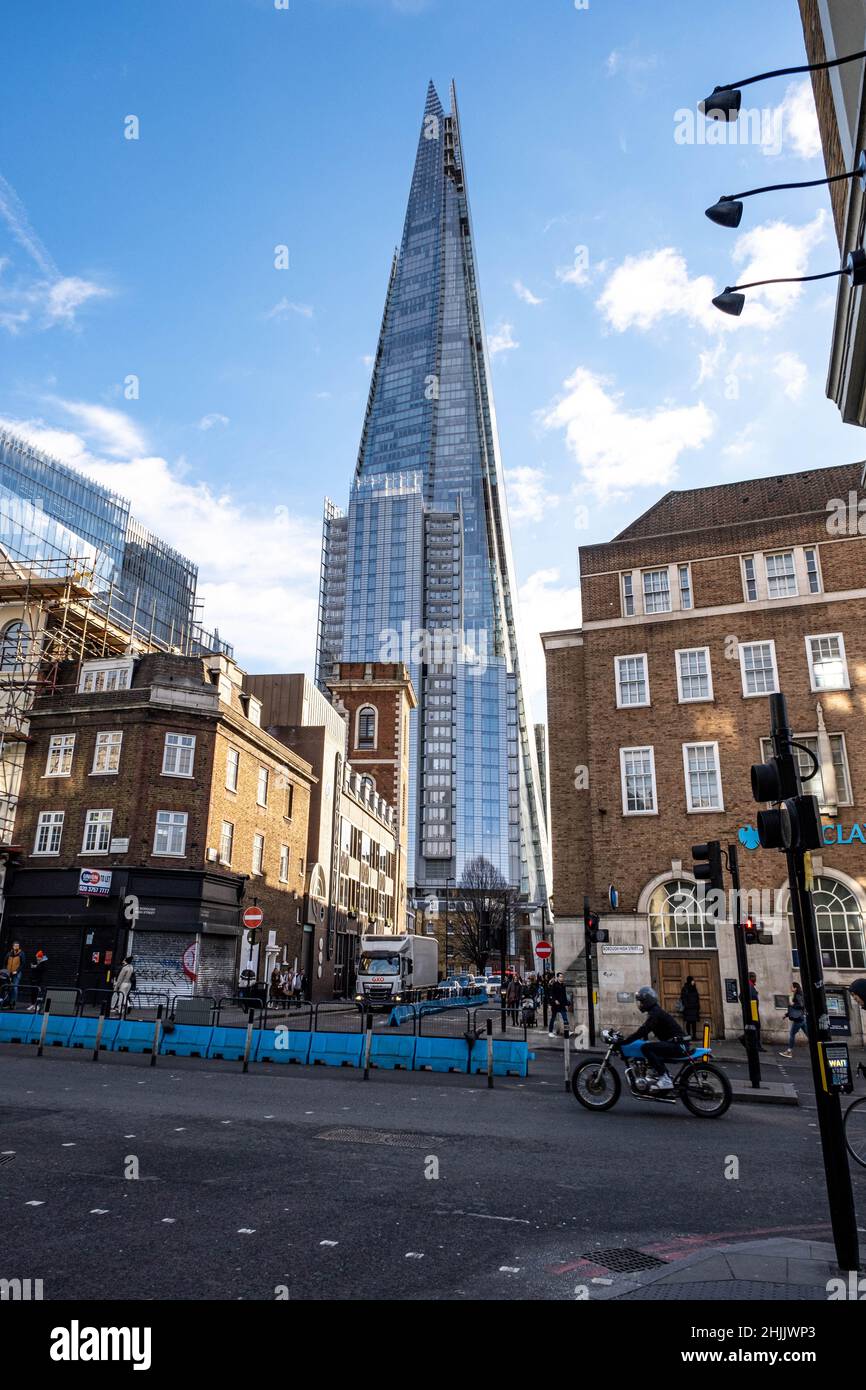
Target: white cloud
68 294
258 565
528 494
501 339
52 299
773 250
368 359
797 121
285 307
742 443
525 294
113 431
578 272
546 605
793 374
656 285
619 449
631 64
207 422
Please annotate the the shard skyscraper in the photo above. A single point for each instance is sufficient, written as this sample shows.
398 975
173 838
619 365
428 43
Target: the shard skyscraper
419 568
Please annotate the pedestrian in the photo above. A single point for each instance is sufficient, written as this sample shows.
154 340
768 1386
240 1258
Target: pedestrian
796 1015
276 983
15 962
38 971
124 982
755 1000
690 1002
297 988
513 995
558 997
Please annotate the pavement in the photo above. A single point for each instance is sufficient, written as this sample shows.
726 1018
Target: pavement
192 1181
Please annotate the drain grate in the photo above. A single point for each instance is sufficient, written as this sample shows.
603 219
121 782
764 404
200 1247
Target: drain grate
395 1138
624 1261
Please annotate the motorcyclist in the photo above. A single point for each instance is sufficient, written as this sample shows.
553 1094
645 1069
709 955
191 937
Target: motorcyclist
671 1040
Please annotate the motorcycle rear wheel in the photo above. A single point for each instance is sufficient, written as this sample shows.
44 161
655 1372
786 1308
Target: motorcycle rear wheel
596 1090
704 1090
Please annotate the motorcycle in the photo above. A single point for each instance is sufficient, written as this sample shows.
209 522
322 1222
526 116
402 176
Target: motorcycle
702 1087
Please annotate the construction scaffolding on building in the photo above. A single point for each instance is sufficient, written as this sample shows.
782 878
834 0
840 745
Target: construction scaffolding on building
57 610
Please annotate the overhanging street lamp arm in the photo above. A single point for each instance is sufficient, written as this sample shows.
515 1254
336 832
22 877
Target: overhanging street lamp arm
731 300
728 211
723 103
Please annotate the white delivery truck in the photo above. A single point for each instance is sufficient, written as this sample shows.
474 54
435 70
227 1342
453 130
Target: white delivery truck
392 967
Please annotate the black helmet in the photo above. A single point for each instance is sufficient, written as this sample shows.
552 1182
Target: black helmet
858 988
646 999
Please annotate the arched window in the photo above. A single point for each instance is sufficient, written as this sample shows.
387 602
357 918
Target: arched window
14 642
840 925
365 728
676 918
368 787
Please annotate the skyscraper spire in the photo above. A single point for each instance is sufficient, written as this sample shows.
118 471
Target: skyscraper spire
420 569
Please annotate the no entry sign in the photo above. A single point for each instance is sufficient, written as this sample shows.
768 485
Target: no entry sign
544 950
253 917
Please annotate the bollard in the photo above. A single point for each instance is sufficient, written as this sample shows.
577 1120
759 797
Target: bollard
368 1042
490 1054
249 1042
46 1010
100 1024
566 1051
157 1029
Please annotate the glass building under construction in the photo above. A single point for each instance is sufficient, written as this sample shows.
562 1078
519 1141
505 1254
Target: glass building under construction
419 568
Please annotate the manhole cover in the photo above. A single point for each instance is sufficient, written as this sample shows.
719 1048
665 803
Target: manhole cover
374 1136
623 1261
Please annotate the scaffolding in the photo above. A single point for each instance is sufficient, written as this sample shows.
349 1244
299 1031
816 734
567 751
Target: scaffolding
59 610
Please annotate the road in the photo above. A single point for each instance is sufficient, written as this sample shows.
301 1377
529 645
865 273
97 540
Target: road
245 1190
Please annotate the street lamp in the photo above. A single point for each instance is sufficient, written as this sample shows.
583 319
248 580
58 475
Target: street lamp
732 300
728 211
448 882
723 103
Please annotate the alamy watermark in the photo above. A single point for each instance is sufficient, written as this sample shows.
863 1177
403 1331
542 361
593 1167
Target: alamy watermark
442 646
754 126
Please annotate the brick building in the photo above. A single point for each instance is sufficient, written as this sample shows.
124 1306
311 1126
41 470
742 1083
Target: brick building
153 808
357 839
657 708
832 29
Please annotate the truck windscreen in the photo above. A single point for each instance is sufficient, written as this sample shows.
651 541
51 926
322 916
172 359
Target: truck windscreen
379 965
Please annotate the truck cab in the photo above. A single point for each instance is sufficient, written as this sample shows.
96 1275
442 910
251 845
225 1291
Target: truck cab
390 968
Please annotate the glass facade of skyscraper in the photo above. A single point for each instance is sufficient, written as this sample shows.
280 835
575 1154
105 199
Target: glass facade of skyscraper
50 514
420 568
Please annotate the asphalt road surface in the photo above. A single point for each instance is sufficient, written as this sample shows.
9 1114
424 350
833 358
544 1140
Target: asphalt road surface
308 1183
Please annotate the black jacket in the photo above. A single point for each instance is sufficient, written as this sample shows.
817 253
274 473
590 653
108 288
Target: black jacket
557 995
659 1023
691 1002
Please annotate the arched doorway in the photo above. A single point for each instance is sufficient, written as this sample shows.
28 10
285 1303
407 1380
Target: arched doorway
683 942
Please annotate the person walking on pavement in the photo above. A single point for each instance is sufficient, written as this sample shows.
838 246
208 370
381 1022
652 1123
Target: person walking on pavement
124 981
755 1000
513 994
690 1000
558 1005
796 1014
297 987
15 962
38 970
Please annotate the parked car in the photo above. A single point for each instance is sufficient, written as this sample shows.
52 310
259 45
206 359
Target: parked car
493 984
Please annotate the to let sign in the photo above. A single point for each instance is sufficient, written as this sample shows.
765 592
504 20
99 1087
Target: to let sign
95 882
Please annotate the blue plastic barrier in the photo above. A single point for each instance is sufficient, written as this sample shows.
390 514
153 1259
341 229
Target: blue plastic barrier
186 1040
336 1049
57 1034
509 1058
440 1054
392 1053
84 1033
293 1046
16 1028
229 1043
133 1036
401 1012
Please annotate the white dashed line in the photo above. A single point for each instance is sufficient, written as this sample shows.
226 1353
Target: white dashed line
34 1204
69 1145
168 1220
328 1242
99 1211
509 1269
414 1255
246 1230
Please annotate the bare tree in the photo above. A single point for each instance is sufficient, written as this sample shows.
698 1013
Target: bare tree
481 911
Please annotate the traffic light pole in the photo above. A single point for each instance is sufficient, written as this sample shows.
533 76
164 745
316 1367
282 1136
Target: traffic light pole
590 987
750 1032
838 1174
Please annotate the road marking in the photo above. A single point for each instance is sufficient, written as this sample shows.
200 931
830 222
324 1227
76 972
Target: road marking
246 1230
484 1216
99 1211
129 1136
329 1242
180 1129
168 1220
34 1204
414 1255
69 1145
509 1269
225 1122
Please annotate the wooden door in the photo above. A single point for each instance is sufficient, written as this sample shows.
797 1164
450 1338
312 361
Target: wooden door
671 970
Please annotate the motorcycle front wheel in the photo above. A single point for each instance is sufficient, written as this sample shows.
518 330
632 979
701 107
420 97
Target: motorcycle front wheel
594 1087
704 1090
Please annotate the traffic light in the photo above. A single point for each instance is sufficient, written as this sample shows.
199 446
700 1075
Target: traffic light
707 865
795 820
594 932
756 933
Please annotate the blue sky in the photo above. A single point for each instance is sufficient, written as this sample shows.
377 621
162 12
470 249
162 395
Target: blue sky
614 379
